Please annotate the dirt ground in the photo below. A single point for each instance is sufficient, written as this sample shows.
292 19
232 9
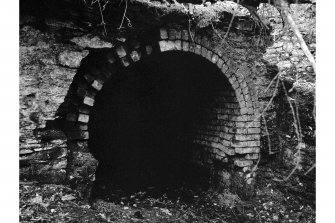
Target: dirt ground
290 201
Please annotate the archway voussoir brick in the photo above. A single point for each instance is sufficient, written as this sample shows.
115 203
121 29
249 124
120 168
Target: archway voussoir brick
121 51
185 46
192 47
71 117
184 35
125 61
198 39
209 55
243 162
178 45
88 101
252 156
219 63
163 34
148 50
197 49
135 55
215 58
204 51
83 118
205 42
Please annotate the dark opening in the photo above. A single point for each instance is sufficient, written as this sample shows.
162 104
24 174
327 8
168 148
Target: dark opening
143 121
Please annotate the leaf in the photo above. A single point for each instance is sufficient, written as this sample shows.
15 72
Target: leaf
68 197
36 200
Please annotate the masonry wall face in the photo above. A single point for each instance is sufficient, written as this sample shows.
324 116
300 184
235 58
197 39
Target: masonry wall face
231 134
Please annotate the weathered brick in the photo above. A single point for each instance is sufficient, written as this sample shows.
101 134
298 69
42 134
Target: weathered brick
81 92
243 163
239 144
83 118
203 51
197 49
88 101
148 49
135 55
240 150
209 55
185 46
71 117
120 51
253 143
215 58
97 84
163 33
252 156
178 44
166 46
125 61
219 63
224 68
192 47
184 35
110 58
197 39
254 130
89 78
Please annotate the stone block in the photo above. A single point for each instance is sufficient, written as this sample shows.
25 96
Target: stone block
120 51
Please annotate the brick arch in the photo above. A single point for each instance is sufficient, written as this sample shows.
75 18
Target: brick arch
243 147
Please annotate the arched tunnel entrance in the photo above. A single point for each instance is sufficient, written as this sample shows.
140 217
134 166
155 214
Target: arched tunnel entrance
156 122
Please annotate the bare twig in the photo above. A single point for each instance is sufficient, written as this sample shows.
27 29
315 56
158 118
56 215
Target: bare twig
309 170
102 17
230 24
124 15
